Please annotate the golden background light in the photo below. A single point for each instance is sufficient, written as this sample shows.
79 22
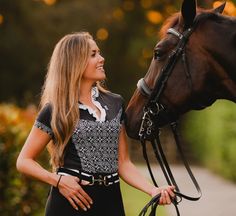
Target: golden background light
50 2
154 17
118 14
102 34
1 19
230 8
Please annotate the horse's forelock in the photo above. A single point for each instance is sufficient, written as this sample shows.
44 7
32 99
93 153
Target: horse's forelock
169 23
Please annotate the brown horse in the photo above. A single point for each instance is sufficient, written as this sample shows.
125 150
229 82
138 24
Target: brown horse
208 74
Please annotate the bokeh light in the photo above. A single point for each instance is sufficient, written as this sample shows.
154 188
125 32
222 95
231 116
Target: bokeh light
154 17
102 34
1 19
146 3
170 9
118 14
50 2
230 8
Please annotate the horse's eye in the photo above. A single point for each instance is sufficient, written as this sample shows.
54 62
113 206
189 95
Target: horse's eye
158 54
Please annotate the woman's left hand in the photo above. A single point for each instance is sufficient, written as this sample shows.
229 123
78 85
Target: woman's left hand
167 194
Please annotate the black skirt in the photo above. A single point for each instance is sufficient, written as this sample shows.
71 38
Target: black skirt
107 201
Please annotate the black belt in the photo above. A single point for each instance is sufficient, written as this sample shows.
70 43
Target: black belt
93 179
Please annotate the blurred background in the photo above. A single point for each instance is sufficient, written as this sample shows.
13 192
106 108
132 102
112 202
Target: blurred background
126 32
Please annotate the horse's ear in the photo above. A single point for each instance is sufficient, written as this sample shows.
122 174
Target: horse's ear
188 12
220 9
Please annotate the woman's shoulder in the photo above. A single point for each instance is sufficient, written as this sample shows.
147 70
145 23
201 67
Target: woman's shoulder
45 113
46 109
112 98
43 120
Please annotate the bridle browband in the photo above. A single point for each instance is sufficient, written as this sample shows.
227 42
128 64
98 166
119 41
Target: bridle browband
149 130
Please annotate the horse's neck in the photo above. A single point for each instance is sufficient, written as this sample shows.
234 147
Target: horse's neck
225 70
230 82
228 87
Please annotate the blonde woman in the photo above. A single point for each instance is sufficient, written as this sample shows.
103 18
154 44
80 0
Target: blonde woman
82 124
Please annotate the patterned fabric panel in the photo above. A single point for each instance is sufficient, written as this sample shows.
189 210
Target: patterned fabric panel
43 127
97 144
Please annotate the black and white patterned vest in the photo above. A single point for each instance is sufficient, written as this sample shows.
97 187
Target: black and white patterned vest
93 146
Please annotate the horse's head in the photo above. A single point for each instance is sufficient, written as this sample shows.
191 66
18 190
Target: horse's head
203 72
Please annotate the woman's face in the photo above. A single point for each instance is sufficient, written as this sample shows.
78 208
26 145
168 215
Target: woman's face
94 70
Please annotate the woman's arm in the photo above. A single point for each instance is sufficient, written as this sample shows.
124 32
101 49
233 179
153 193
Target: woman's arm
26 161
27 164
131 175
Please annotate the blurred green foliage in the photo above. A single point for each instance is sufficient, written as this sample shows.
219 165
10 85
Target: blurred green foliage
134 200
20 196
212 136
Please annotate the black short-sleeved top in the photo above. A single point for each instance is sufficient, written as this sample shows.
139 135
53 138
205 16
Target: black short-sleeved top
93 146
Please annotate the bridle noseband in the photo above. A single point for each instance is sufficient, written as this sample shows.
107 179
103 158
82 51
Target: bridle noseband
149 129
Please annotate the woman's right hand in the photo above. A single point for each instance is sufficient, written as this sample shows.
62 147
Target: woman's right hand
70 188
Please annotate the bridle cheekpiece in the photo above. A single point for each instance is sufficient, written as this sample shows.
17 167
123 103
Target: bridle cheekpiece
153 107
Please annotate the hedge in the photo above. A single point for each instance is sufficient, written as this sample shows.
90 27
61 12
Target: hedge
212 136
19 195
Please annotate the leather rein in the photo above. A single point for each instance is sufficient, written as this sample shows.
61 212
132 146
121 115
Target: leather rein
150 131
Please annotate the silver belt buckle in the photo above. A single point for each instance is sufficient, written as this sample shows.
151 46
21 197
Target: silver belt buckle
105 181
93 180
101 180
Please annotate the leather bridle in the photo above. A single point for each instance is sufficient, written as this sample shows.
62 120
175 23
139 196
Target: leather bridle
149 129
153 105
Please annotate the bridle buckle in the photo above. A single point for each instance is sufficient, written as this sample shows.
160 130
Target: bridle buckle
147 125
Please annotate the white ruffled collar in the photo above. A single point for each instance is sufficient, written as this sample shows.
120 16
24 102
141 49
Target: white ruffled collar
94 95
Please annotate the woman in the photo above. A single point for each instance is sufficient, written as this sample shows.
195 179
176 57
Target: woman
82 124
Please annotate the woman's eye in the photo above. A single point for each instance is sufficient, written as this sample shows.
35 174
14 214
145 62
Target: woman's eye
93 54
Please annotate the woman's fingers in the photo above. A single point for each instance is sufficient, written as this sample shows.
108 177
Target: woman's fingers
166 192
79 203
168 200
72 203
82 192
83 182
76 199
84 201
166 195
171 191
78 180
163 198
70 188
85 195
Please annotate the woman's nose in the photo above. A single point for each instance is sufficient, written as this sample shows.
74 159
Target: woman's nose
102 59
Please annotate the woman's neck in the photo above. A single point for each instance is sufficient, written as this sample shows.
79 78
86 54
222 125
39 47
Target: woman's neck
85 92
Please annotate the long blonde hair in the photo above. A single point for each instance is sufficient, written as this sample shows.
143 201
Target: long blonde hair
61 89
